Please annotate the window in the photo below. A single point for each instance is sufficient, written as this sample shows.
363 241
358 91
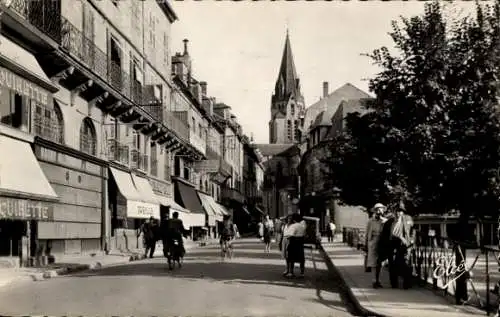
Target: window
88 140
292 110
154 159
14 110
48 123
296 132
115 2
200 130
193 124
115 67
289 128
165 50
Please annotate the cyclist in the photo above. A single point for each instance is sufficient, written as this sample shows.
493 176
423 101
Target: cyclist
229 231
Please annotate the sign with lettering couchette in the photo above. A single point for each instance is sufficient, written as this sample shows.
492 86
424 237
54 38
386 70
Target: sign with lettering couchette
23 209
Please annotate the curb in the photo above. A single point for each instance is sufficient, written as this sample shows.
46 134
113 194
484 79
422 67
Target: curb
77 269
343 285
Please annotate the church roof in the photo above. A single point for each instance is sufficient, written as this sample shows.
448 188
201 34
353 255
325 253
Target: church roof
321 112
273 149
287 74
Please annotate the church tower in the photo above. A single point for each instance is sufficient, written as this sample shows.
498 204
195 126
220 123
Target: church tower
287 102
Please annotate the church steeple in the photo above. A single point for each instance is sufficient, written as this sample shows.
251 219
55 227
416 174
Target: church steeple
287 83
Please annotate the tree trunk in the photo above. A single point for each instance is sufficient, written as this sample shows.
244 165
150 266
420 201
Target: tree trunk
460 253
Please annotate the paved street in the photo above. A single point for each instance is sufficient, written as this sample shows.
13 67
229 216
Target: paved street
248 285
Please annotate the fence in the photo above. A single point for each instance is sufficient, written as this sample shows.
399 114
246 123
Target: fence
433 261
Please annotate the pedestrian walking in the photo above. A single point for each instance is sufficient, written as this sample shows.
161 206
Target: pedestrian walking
372 238
298 242
267 232
149 232
286 233
331 231
395 241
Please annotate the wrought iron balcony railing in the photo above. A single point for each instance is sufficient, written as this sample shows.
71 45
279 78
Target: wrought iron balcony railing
225 167
197 142
46 17
177 125
232 194
116 151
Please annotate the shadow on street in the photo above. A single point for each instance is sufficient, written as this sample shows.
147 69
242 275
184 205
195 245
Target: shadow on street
263 269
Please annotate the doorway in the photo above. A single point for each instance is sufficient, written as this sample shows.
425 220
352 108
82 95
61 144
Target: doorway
11 233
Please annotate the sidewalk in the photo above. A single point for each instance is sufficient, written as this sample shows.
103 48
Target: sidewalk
68 264
349 264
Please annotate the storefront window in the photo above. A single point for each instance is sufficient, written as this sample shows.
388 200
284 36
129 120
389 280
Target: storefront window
48 123
14 110
88 140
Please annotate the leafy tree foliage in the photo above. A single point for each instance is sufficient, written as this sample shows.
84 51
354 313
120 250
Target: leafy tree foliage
431 138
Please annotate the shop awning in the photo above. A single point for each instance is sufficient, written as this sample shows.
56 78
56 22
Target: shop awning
210 210
207 206
189 198
137 206
25 65
193 219
144 189
223 209
169 202
20 173
245 210
260 210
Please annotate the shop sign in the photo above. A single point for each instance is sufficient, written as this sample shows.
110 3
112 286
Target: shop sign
23 87
23 209
161 188
448 271
141 210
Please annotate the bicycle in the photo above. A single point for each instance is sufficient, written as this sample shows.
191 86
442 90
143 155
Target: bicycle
227 249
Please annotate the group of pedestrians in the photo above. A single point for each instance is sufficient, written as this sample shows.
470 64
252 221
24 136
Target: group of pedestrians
169 229
389 237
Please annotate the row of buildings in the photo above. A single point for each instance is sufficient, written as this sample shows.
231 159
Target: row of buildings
102 127
300 137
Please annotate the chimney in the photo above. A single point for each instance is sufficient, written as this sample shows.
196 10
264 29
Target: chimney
203 85
325 89
186 46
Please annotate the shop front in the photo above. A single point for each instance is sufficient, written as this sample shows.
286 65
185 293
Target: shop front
79 179
163 192
26 197
185 195
131 201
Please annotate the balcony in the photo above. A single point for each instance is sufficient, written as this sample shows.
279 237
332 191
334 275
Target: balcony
117 152
180 128
139 161
219 169
233 194
72 57
197 142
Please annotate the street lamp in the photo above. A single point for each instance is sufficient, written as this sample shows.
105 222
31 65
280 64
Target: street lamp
4 5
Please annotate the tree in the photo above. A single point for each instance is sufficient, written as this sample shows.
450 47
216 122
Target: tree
431 138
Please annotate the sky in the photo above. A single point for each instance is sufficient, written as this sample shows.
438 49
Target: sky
236 47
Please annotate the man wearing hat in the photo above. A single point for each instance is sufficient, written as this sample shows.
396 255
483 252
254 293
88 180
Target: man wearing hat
397 238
